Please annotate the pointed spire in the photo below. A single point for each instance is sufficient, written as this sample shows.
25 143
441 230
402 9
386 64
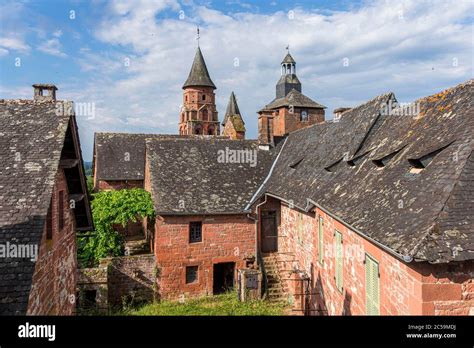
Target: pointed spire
288 59
199 76
233 113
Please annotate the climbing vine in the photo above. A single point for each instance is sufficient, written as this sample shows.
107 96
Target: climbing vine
109 209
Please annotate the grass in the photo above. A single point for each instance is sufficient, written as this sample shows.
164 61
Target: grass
219 305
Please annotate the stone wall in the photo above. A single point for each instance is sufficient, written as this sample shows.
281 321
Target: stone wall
53 286
103 185
225 238
415 288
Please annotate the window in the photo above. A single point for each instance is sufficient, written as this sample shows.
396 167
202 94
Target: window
195 232
304 116
332 167
61 210
372 294
49 222
296 163
339 264
356 160
320 239
191 274
382 162
203 97
418 164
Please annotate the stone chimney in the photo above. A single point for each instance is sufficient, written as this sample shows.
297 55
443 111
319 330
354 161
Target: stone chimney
338 113
44 92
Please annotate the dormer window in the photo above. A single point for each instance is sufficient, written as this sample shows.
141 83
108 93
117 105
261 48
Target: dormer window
418 164
332 167
356 160
295 164
304 116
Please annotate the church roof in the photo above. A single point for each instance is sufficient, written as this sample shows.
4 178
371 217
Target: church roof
288 59
199 76
295 99
367 170
200 176
233 113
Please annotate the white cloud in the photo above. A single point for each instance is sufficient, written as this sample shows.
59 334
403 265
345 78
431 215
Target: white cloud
408 48
52 47
8 44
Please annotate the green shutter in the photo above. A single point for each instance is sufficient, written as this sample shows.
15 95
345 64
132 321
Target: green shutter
372 291
338 250
320 239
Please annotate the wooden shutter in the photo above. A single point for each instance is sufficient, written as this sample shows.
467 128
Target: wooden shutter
320 239
338 250
372 291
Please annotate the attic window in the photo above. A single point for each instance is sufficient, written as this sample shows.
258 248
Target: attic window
418 164
332 168
296 163
382 162
356 160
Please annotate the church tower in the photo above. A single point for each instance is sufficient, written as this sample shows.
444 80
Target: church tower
234 126
290 110
199 114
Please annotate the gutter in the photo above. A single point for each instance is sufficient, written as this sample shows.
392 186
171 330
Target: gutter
247 207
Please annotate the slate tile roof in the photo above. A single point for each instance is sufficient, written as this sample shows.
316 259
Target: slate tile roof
294 98
425 216
188 176
199 76
31 140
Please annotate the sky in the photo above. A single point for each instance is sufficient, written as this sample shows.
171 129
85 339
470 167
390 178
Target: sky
127 60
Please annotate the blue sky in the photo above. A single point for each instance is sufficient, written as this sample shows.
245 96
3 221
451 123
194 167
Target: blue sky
130 58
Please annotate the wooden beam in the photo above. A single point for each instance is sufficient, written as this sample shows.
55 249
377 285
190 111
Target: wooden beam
68 163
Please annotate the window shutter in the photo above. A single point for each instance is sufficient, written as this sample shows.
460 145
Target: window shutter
372 290
339 260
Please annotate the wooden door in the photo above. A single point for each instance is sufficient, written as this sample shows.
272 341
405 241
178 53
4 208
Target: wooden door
269 232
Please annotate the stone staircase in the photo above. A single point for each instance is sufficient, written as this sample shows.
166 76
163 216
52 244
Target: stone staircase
277 290
136 245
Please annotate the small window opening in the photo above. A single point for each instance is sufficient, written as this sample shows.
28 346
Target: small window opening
382 162
203 97
191 274
418 164
356 160
304 115
332 168
195 232
296 163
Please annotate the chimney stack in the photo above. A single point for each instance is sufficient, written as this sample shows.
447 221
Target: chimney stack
338 113
44 92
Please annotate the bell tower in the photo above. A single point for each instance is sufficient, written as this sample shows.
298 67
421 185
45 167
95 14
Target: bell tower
199 113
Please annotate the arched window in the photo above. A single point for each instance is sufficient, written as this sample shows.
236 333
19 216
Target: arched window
210 130
204 115
203 97
198 129
186 98
304 115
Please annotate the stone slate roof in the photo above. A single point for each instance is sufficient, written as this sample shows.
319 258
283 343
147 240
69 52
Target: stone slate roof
199 76
426 216
288 59
295 99
233 113
187 176
32 136
120 156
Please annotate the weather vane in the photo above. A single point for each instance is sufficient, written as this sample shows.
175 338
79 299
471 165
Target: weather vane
288 48
198 34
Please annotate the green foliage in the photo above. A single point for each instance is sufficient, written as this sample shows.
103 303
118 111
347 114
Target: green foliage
225 304
90 184
111 208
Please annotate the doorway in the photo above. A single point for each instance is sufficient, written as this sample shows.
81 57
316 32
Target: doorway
269 231
223 277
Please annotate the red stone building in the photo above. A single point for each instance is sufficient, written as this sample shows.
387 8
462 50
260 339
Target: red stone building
290 110
199 114
373 214
234 125
202 234
43 203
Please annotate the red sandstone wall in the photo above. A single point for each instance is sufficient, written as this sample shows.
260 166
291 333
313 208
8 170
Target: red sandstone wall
225 238
405 289
119 184
53 287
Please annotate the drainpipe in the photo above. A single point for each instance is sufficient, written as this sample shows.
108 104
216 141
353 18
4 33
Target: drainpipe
257 250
